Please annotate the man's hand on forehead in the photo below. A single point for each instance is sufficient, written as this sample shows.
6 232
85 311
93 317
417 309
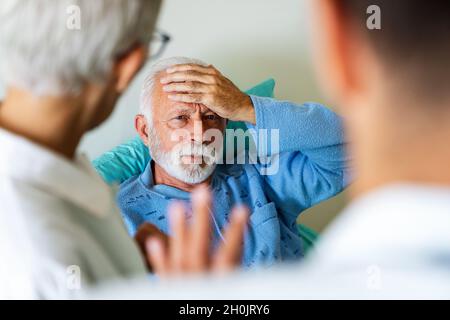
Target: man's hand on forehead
195 84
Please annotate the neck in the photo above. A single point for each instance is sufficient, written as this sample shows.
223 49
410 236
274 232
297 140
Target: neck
52 122
398 137
424 160
162 177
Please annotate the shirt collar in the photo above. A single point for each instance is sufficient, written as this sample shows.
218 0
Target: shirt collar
417 199
74 181
162 190
147 176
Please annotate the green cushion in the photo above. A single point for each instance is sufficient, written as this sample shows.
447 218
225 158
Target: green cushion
308 236
130 158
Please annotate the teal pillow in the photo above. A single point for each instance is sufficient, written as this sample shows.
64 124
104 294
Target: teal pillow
131 158
309 237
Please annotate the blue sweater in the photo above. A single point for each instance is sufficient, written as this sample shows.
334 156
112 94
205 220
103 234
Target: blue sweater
312 168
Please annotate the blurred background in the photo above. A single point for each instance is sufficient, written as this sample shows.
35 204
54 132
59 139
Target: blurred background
249 41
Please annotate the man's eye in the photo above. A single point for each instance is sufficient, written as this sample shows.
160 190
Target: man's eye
211 117
178 121
181 117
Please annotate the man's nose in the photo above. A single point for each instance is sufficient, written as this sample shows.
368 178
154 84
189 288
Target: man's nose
197 131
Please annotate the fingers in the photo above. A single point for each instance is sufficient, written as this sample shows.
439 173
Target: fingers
200 98
200 231
188 249
190 87
185 76
145 231
156 255
192 67
178 239
229 254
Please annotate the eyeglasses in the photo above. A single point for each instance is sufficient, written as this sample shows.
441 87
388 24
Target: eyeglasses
158 44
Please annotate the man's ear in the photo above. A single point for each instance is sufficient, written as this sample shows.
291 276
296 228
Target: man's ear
128 65
140 123
337 50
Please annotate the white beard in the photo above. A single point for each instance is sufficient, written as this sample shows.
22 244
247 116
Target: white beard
172 162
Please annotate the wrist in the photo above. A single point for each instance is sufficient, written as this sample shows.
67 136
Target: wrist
247 111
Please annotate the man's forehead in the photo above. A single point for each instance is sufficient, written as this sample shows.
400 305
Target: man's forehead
189 107
164 103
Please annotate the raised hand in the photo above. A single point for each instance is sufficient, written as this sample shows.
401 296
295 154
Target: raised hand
187 250
191 83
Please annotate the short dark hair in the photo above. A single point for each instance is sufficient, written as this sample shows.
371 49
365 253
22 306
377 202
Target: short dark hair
406 24
414 34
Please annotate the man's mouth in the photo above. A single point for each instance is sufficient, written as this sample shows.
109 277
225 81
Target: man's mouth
192 159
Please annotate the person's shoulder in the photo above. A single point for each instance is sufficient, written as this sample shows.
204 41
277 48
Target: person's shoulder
47 225
31 201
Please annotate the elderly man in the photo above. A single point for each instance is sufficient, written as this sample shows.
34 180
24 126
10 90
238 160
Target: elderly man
311 164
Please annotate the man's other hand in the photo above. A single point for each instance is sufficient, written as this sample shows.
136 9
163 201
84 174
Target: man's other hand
188 249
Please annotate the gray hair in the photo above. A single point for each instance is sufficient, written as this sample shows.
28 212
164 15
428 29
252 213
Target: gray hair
149 82
41 52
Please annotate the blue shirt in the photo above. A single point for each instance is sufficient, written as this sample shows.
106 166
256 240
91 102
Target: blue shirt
312 168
